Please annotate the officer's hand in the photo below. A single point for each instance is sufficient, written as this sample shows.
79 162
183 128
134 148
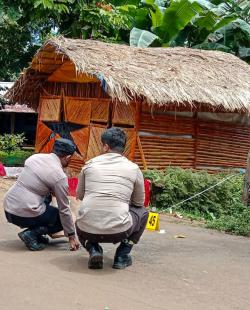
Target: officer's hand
74 244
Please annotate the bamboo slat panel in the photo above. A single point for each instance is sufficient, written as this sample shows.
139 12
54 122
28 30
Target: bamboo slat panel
95 144
47 148
124 114
42 136
81 139
50 109
77 110
162 152
131 141
100 110
166 140
167 124
222 145
75 165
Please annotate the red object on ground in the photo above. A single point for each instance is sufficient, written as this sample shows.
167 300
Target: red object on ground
72 186
147 186
2 170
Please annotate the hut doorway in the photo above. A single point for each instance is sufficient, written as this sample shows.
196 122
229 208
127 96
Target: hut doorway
19 122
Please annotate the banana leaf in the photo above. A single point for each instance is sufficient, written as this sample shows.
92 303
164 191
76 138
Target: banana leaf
212 46
141 38
244 52
176 17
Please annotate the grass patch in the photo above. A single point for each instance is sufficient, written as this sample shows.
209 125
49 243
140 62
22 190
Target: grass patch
14 158
238 223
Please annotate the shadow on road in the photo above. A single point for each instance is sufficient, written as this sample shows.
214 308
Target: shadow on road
18 245
79 264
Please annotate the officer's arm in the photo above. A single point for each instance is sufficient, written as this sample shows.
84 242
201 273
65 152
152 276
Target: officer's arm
138 195
81 186
61 190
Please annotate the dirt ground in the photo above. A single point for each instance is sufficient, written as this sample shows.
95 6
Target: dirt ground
207 270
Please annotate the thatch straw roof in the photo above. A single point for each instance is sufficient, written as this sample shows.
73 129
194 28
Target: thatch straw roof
156 75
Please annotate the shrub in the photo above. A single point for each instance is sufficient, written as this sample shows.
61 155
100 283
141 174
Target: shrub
11 142
238 224
217 206
14 158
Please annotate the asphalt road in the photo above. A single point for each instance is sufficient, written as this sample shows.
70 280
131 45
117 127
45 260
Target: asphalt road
207 270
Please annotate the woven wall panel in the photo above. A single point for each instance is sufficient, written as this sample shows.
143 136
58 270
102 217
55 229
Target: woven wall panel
77 110
47 148
50 109
81 139
124 114
222 145
75 165
42 136
167 124
131 141
95 144
100 110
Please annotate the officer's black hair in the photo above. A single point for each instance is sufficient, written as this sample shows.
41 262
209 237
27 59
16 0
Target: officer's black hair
115 138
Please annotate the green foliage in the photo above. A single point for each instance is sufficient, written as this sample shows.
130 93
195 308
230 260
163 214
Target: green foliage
60 7
175 18
96 19
11 153
218 25
141 38
206 24
25 24
238 223
14 158
22 29
216 206
10 143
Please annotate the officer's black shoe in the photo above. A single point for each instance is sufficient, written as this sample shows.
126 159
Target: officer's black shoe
122 258
30 240
95 256
121 262
41 233
43 239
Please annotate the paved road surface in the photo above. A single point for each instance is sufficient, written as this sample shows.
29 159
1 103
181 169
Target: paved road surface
205 271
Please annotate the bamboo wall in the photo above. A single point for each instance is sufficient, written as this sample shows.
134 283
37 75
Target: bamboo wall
156 138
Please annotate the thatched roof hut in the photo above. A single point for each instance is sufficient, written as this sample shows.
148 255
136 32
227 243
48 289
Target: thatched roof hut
112 82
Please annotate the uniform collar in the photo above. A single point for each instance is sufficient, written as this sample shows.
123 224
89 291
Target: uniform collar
56 158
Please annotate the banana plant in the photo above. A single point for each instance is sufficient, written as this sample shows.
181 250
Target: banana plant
168 23
201 24
235 36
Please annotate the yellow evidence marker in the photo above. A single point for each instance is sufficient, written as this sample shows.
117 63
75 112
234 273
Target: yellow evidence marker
153 221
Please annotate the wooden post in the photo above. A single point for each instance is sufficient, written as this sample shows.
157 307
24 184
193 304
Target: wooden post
137 124
12 123
246 189
142 154
196 137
